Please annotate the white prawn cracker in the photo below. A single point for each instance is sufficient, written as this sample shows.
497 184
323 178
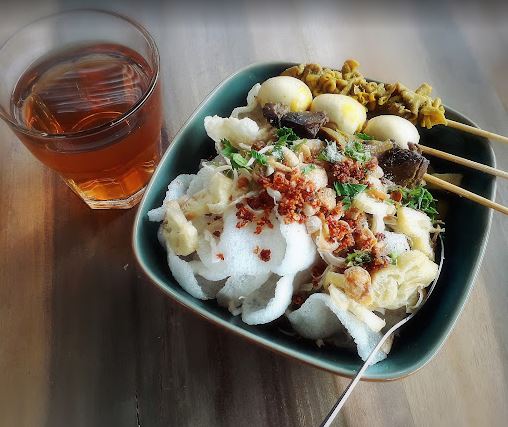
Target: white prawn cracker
320 318
237 288
176 189
251 102
269 302
300 251
240 132
241 247
183 273
201 180
237 252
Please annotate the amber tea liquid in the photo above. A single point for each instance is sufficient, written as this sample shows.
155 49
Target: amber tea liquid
75 96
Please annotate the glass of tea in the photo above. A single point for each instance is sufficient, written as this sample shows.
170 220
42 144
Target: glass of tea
81 90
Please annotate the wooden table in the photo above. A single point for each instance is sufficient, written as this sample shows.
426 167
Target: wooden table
85 340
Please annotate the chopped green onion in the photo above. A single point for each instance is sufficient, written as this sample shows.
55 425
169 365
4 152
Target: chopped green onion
393 258
356 150
306 169
238 161
419 198
348 191
227 149
364 136
260 158
286 134
358 258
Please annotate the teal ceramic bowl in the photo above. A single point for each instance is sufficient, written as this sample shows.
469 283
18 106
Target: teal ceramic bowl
467 228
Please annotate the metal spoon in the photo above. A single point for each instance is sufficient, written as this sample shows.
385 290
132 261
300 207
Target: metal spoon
349 389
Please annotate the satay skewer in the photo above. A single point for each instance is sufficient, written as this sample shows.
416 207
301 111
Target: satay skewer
396 98
333 134
465 193
338 137
476 131
465 162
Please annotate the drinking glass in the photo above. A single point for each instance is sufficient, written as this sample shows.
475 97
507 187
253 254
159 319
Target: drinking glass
81 90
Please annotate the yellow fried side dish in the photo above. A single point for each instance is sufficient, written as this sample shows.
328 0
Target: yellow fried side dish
416 106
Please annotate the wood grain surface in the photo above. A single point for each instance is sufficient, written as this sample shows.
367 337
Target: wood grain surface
85 340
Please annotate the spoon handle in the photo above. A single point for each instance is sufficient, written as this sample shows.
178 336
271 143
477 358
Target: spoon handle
349 389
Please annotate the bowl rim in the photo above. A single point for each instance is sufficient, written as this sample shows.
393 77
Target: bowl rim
267 343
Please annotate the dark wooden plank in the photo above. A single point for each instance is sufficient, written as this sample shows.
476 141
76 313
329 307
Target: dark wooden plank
92 364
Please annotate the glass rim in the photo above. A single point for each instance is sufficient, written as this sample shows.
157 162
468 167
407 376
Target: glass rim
109 124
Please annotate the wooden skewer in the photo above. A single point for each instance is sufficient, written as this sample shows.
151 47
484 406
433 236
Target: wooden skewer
464 193
465 162
476 131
